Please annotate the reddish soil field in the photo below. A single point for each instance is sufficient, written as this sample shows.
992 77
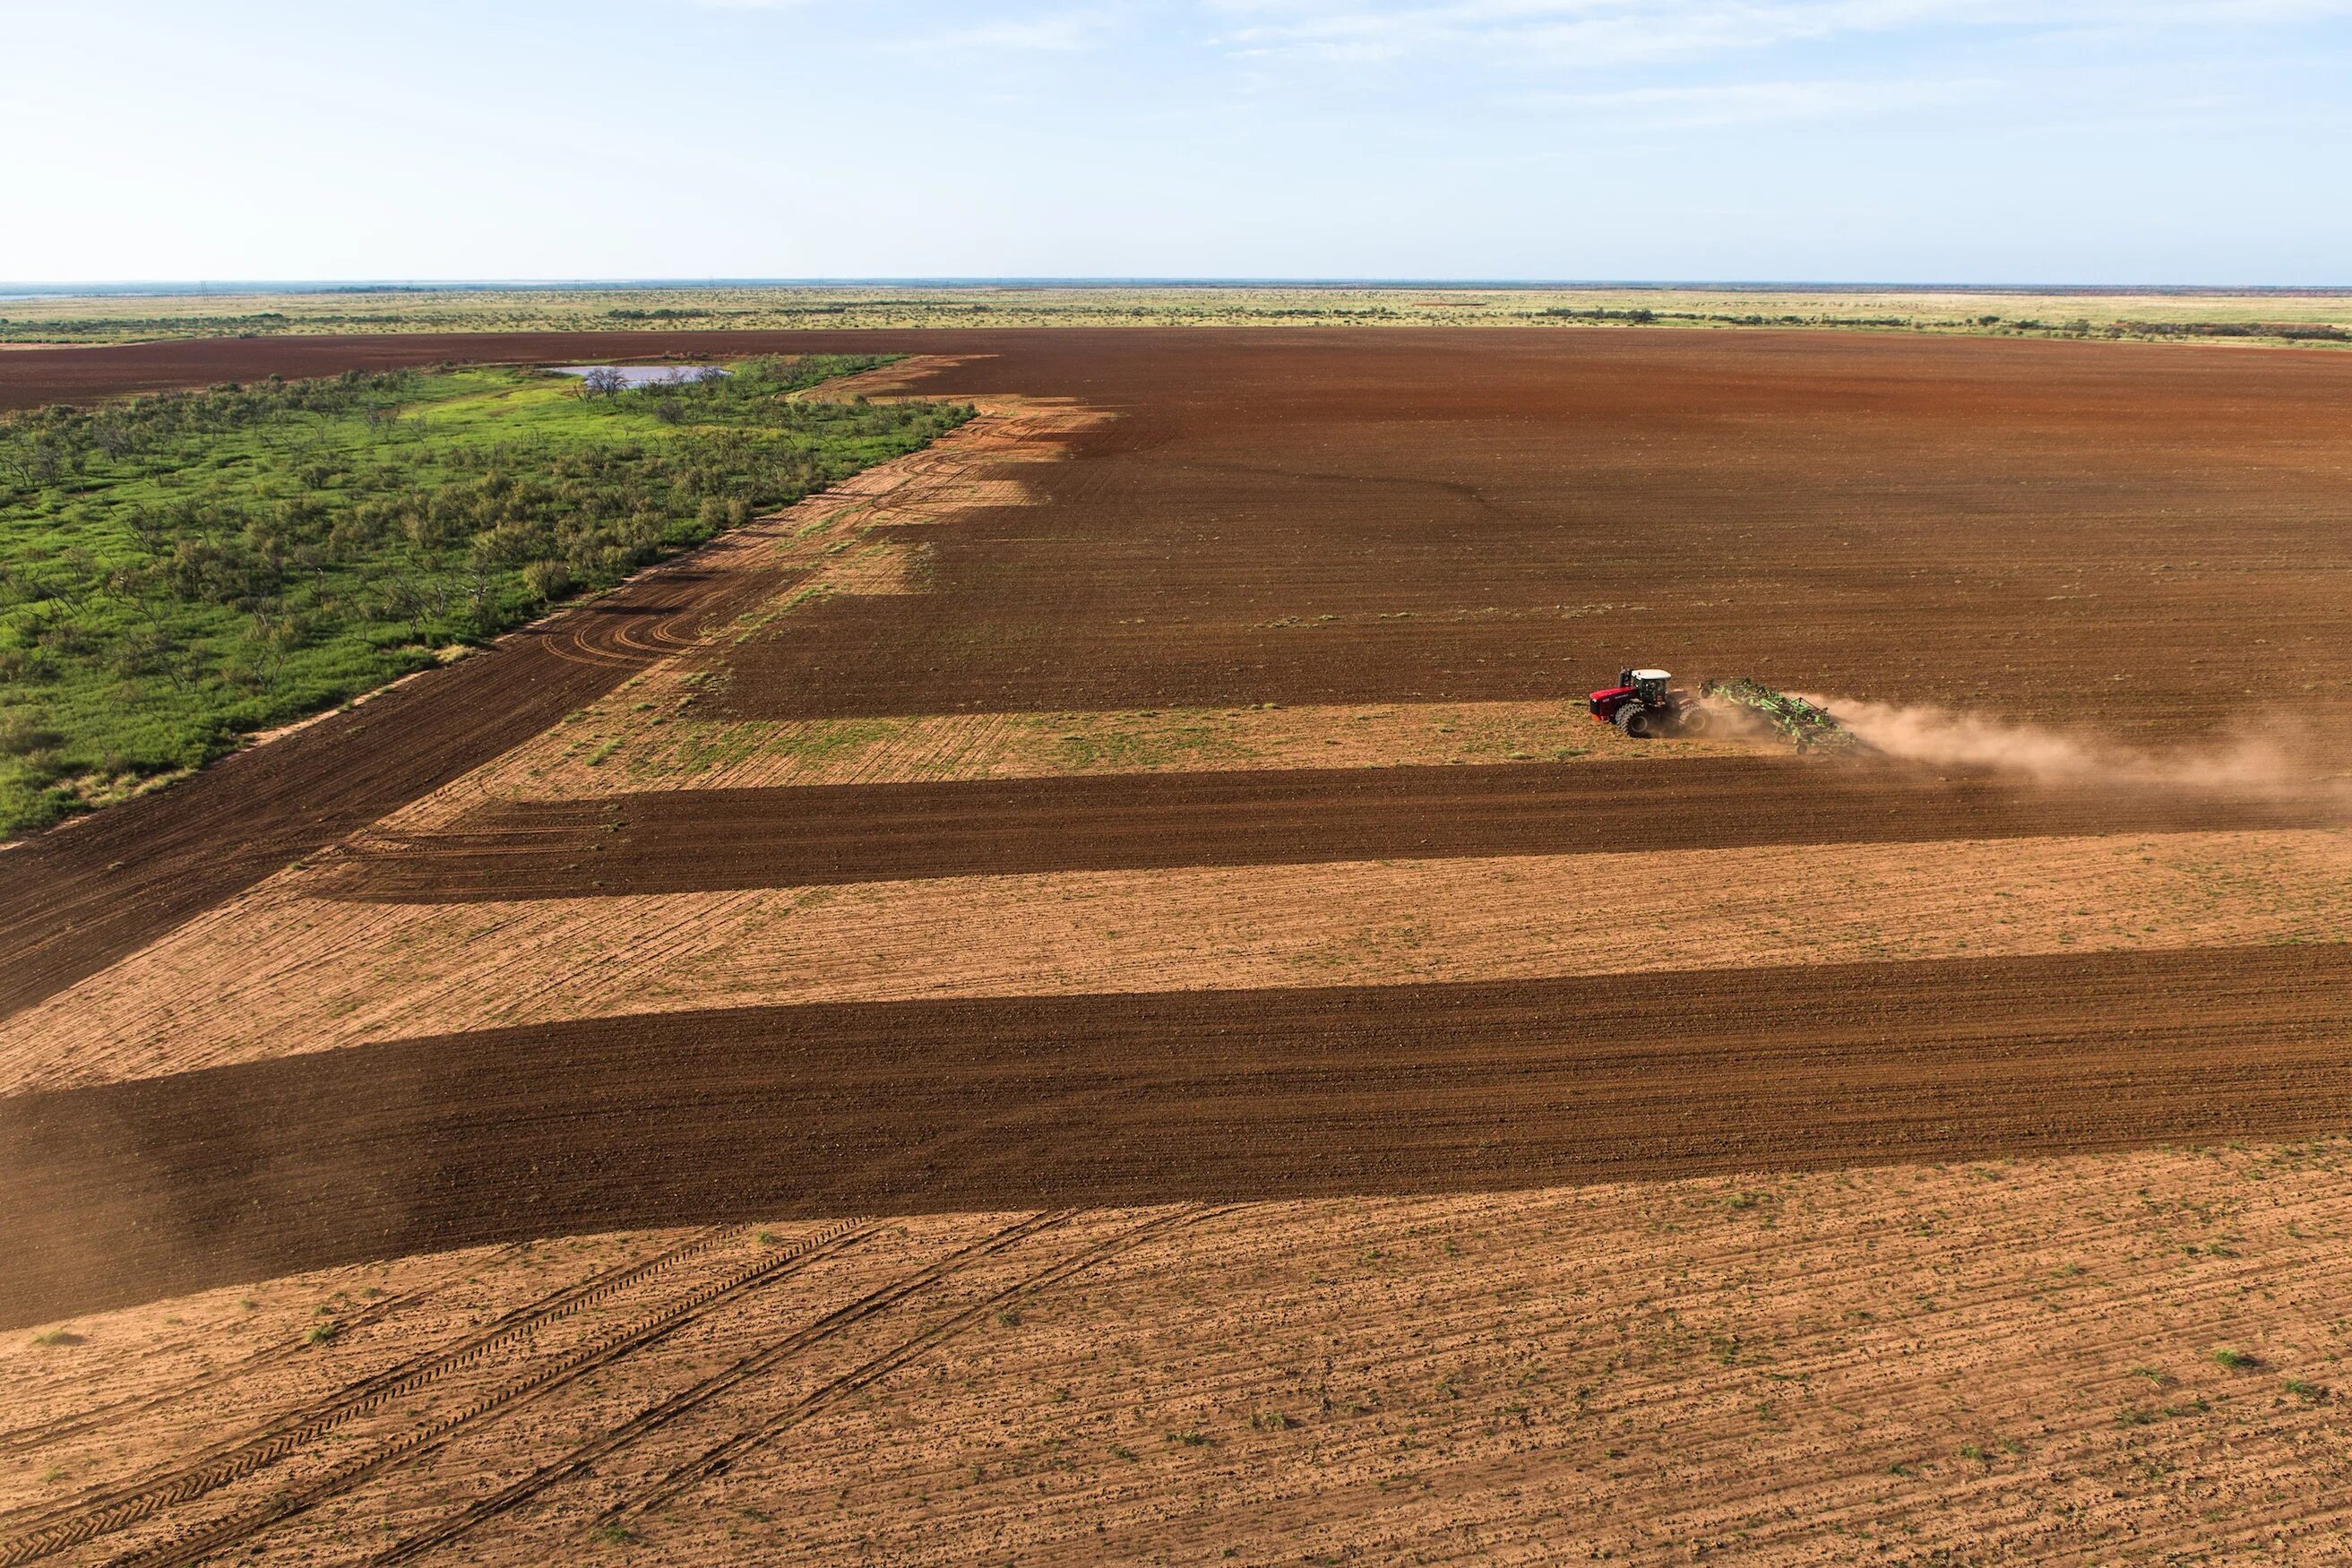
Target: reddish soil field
2012 1362
2094 534
125 1192
1671 1282
701 840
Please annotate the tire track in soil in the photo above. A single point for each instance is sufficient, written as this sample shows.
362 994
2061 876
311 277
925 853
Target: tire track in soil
19 1440
722 1457
583 1458
104 1511
194 1545
678 841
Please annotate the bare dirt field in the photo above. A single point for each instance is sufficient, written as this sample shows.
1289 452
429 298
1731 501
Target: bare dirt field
817 834
2089 1360
1086 997
282 972
238 1173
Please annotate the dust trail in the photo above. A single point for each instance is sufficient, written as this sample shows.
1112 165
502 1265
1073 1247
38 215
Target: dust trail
2257 767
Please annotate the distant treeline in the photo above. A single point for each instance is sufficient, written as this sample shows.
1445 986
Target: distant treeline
785 310
2081 327
2292 331
1639 315
172 326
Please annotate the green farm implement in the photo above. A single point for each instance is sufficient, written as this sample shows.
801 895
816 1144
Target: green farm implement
1805 725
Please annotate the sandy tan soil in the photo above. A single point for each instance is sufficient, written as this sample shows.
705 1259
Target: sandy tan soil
2010 1362
280 971
645 737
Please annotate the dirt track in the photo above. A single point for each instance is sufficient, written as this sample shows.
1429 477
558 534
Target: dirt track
707 840
127 1192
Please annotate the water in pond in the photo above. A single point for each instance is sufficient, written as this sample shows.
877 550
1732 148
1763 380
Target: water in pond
644 375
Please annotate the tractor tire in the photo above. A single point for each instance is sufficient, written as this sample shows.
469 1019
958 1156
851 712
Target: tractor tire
1636 720
1694 719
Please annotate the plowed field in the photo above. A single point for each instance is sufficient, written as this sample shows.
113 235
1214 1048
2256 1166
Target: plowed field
698 840
1236 1067
1001 1103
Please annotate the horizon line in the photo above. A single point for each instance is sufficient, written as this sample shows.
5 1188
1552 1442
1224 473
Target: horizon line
178 288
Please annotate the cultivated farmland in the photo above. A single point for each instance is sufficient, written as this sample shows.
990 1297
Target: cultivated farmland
1090 993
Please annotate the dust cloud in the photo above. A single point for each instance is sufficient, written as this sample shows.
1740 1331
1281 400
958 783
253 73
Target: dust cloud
2270 766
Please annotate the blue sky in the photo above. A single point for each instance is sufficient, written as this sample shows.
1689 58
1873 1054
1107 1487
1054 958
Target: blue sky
2068 140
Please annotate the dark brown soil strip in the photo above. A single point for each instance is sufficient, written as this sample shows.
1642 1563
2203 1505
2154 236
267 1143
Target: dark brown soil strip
139 1190
709 841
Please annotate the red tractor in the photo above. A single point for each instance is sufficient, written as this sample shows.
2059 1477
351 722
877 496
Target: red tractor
1641 704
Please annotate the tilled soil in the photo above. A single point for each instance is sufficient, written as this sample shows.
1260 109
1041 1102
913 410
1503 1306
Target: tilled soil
2127 540
125 1192
75 899
707 840
279 973
2139 543
2014 1361
2088 532
2095 532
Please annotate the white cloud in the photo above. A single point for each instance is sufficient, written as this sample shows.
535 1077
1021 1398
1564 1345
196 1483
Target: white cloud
1059 32
1767 102
1613 33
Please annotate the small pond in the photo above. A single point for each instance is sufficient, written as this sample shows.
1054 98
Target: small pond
644 375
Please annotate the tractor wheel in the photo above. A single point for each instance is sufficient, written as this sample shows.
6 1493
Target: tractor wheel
1694 719
1636 720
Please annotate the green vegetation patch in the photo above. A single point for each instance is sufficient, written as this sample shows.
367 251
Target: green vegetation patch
178 571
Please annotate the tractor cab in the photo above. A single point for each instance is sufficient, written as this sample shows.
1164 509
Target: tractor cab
1641 703
1647 687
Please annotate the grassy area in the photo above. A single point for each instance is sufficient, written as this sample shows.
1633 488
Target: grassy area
181 569
2314 316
